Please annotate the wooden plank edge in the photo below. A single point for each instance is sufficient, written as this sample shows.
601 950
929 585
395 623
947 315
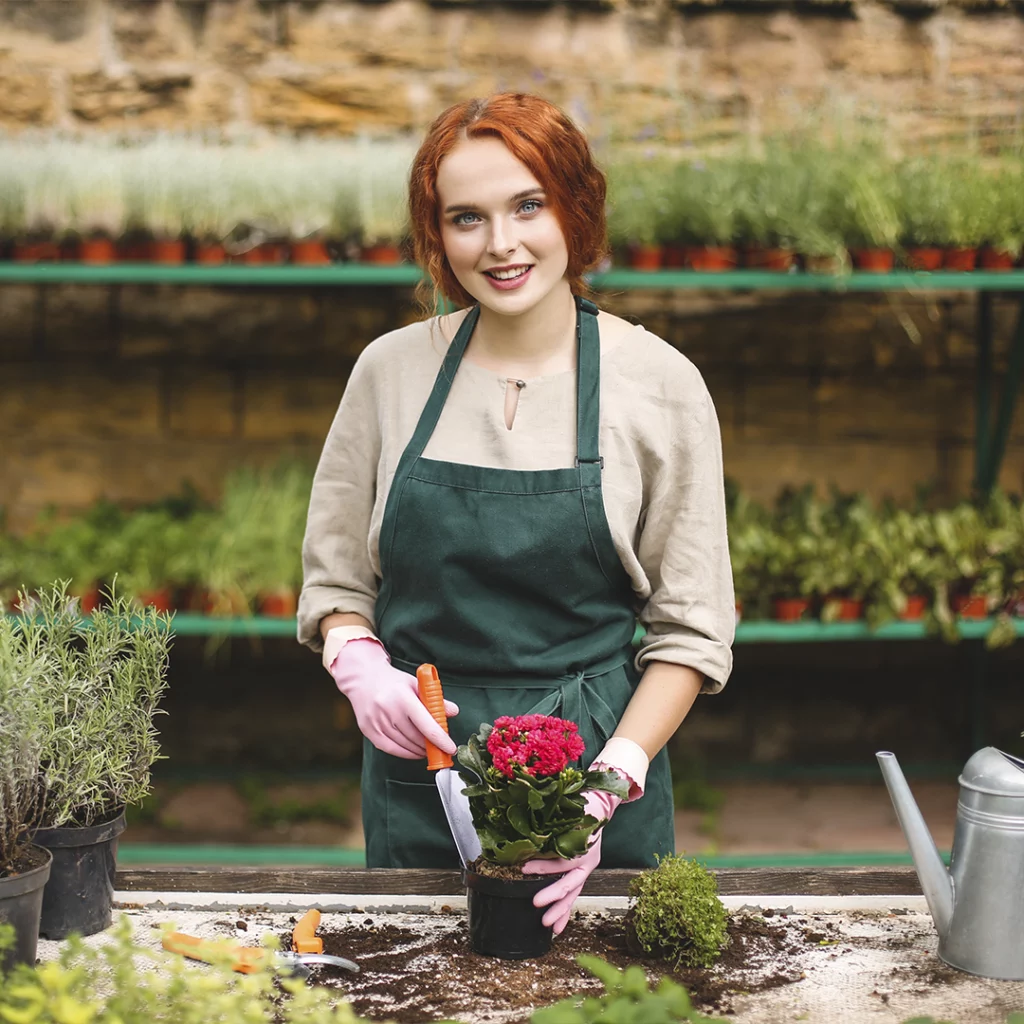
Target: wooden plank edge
895 881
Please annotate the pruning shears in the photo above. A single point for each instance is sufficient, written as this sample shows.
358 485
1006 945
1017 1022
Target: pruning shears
306 951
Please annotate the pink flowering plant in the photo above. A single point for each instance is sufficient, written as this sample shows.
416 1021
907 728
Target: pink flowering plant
526 789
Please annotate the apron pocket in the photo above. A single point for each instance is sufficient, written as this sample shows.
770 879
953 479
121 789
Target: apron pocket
418 832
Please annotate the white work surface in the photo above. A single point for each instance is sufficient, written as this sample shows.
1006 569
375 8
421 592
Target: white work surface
877 966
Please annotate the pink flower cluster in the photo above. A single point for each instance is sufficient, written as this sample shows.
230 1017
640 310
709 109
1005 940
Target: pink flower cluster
538 744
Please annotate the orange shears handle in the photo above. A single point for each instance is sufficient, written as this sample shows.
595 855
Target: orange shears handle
244 959
304 938
428 685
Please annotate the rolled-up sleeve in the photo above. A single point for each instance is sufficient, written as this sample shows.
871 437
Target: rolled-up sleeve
690 617
337 572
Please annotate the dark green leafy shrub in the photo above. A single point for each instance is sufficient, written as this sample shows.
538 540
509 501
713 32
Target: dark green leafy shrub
627 999
676 912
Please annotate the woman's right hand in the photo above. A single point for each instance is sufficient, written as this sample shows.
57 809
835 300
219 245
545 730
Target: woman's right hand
386 703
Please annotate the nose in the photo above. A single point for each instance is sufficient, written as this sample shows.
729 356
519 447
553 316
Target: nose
502 242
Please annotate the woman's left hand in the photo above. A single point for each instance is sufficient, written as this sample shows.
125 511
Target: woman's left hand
560 896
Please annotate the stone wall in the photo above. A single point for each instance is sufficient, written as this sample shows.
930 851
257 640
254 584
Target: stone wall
676 70
125 392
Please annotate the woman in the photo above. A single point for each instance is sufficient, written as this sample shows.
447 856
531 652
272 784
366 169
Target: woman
505 488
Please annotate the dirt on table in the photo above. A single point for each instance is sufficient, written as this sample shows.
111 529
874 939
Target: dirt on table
409 976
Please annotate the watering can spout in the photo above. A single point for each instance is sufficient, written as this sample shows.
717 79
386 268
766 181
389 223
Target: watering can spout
935 880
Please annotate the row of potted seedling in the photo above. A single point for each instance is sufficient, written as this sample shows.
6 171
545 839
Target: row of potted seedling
837 558
804 202
843 559
788 202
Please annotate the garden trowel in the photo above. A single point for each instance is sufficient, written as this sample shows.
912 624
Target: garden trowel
449 785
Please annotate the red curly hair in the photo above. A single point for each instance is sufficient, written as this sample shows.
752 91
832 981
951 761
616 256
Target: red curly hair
557 153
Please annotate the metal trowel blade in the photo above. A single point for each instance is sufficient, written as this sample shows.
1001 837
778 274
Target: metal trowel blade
460 818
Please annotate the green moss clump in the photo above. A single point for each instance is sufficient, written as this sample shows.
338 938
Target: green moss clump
677 914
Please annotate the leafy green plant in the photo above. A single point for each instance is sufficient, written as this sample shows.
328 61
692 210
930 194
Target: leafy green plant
527 802
627 999
116 983
676 913
640 202
100 682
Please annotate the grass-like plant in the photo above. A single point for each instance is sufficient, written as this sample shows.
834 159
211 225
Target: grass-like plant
99 686
677 914
21 747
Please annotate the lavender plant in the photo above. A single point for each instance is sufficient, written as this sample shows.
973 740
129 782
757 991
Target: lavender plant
21 747
100 681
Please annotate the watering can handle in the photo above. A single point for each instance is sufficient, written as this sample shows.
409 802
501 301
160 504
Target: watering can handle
428 684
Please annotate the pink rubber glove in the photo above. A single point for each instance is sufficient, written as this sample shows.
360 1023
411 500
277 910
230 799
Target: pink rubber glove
561 895
388 709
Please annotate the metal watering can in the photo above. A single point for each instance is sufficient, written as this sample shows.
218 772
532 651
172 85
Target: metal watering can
978 904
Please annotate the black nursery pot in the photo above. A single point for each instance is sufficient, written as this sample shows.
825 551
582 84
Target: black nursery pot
79 896
21 900
503 922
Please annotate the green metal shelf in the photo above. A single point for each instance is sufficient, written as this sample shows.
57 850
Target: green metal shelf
407 275
190 624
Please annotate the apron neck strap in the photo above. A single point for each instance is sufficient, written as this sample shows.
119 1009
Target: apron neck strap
588 383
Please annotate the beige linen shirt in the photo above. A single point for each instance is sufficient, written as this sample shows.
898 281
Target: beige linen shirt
662 480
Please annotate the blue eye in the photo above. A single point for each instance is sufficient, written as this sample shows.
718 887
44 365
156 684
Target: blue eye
535 203
459 219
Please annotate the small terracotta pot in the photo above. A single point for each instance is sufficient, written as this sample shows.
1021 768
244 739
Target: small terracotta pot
383 253
739 612
924 257
281 604
873 261
712 258
210 254
644 257
36 252
995 259
309 252
789 609
89 600
757 258
673 257
970 606
97 250
917 605
959 258
264 254
849 609
160 599
167 250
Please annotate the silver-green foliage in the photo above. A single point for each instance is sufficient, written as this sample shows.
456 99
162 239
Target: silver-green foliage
677 913
627 999
100 681
21 745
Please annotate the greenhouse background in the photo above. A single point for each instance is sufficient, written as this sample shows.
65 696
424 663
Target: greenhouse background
201 227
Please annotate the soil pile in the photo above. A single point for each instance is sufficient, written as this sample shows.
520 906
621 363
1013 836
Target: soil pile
412 976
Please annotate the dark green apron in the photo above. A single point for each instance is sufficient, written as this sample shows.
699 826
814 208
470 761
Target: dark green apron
509 582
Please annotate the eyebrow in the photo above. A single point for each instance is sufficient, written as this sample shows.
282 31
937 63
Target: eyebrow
512 199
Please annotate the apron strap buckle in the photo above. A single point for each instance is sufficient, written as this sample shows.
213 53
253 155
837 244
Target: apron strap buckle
599 460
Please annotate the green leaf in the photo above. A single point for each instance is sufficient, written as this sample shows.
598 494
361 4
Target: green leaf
572 844
519 820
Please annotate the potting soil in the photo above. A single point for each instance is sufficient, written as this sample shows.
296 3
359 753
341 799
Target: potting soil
827 968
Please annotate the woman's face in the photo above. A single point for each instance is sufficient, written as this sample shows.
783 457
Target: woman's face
502 239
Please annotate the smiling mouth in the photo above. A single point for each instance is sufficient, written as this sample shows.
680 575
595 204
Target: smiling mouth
508 275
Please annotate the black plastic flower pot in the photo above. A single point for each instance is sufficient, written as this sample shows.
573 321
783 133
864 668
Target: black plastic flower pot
79 897
503 922
21 903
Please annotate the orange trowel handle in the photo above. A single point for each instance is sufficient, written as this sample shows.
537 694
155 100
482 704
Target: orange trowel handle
429 685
